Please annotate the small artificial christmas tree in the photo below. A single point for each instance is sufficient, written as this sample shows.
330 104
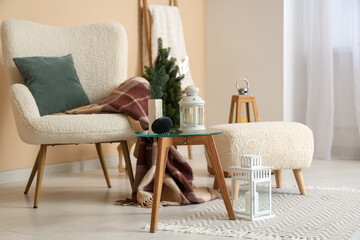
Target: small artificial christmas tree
172 88
157 79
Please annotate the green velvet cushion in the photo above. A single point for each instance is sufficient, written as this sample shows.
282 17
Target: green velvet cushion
54 83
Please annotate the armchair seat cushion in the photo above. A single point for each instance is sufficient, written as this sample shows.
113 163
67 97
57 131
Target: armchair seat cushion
64 129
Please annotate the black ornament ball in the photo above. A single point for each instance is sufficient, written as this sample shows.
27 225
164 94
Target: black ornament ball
162 125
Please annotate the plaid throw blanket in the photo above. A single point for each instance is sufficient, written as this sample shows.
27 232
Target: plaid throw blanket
131 98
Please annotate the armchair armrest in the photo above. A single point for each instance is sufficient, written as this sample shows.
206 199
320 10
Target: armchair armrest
23 103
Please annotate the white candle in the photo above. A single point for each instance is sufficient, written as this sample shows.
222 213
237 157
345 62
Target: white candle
248 202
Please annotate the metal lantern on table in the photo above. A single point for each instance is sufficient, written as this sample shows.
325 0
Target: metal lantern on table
251 187
191 110
243 91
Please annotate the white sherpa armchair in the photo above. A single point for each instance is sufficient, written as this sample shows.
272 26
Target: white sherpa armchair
100 56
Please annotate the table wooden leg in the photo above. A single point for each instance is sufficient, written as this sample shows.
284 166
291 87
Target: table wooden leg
238 111
215 185
190 152
231 115
219 175
248 112
256 114
163 148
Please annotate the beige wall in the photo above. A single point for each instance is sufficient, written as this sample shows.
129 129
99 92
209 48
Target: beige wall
14 154
244 38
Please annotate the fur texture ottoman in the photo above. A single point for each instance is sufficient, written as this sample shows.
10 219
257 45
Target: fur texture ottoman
283 145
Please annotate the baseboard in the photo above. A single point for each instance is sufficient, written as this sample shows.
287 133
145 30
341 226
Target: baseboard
79 166
70 167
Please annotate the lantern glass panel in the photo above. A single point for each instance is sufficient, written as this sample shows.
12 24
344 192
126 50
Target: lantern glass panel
191 117
182 113
188 115
200 116
263 191
240 197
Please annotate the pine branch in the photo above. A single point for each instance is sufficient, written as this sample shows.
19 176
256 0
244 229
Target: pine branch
165 83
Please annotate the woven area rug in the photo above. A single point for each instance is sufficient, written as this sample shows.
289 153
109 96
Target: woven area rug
324 213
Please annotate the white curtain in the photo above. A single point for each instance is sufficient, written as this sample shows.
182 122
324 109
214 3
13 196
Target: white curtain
330 46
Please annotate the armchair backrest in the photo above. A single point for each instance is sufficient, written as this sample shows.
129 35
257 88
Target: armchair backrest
99 51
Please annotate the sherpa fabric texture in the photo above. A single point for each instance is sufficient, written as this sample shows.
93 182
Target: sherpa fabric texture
100 56
283 145
166 24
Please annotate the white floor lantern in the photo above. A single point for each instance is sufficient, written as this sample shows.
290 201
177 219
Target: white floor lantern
251 187
191 110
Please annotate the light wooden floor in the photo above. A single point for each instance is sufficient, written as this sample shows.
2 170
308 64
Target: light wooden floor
80 206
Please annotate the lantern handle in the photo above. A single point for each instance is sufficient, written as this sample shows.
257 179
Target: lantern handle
251 140
243 79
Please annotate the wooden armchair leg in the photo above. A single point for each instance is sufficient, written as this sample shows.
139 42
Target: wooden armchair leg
103 163
40 172
129 170
300 181
131 146
120 167
278 178
33 172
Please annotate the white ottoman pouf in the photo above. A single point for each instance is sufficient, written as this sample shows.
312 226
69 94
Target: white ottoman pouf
284 145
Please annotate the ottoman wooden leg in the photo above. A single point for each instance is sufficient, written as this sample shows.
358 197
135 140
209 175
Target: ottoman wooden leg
235 190
278 178
300 181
